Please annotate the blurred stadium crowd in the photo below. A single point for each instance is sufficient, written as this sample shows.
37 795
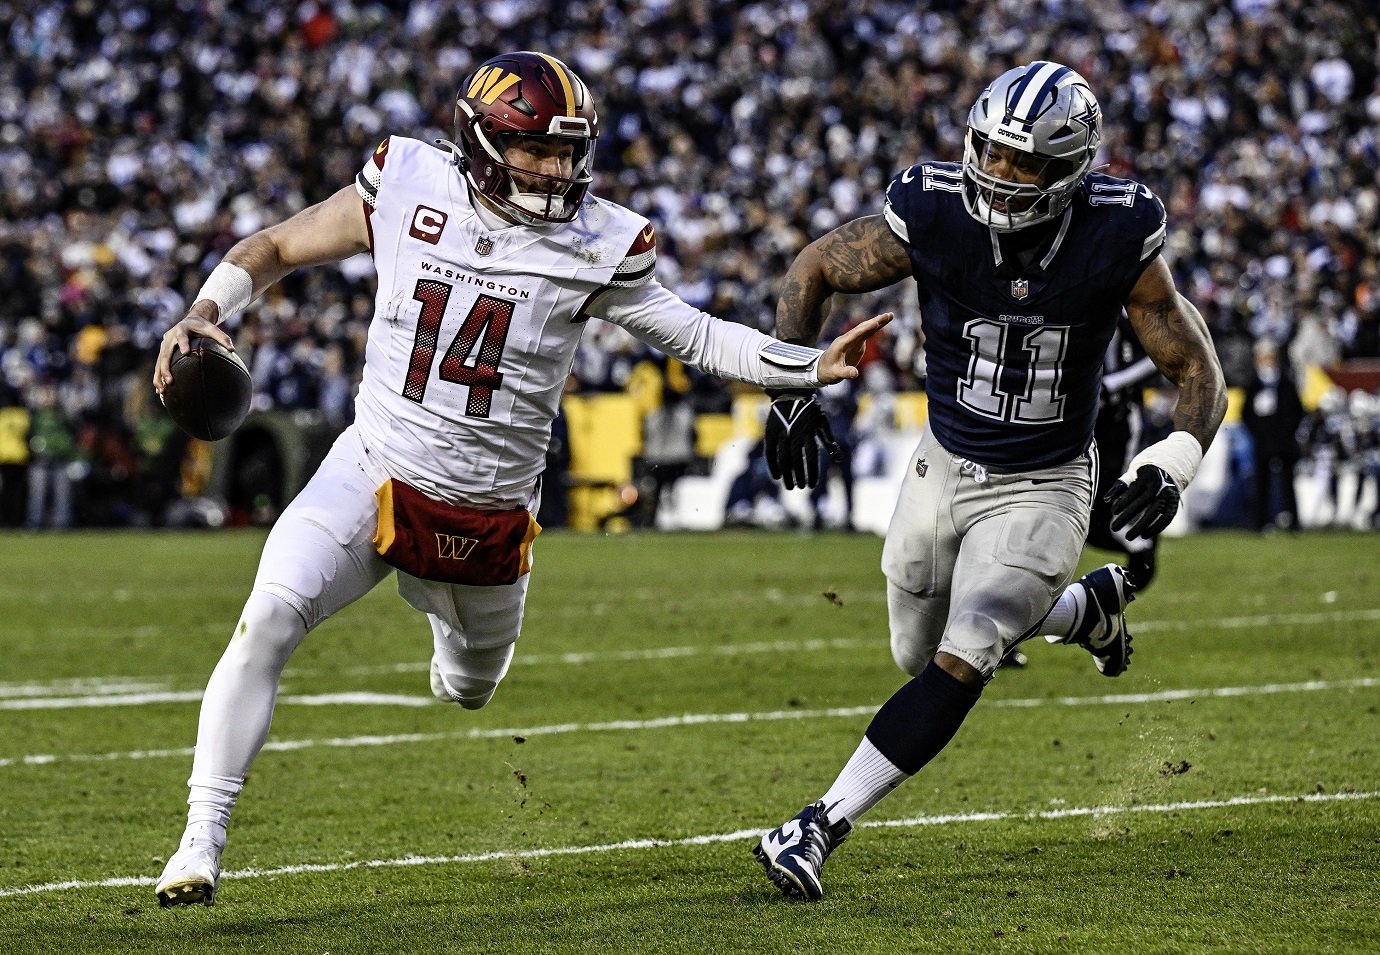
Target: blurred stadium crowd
139 140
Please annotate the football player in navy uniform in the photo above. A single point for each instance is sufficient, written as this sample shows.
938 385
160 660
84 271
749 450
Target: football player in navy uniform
1024 258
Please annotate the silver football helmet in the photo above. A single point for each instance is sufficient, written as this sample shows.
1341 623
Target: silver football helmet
1041 121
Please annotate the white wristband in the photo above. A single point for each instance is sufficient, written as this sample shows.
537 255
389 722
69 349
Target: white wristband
1178 455
787 365
230 287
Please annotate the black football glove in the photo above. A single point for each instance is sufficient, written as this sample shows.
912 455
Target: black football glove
1146 505
796 429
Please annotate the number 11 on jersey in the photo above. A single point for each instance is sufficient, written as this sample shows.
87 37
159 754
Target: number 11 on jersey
1041 353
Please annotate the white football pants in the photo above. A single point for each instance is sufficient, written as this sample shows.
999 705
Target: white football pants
318 559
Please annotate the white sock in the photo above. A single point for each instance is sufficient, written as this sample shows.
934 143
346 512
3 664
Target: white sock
209 802
866 778
1060 620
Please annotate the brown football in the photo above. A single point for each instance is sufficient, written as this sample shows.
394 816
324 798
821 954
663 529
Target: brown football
210 390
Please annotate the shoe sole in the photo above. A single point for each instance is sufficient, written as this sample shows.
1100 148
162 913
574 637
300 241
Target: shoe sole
198 892
782 878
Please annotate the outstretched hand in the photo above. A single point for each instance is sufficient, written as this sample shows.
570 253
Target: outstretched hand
840 359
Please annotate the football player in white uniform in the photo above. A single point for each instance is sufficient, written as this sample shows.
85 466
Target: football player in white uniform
491 253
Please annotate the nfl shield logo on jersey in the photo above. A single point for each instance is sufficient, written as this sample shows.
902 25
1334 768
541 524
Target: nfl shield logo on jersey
1020 288
484 246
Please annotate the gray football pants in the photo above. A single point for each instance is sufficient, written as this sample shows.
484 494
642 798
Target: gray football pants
975 559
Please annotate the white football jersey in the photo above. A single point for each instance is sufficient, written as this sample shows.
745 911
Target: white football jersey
475 328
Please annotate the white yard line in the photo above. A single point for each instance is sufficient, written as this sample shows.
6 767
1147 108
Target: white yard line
626 656
703 719
113 686
1262 620
88 686
192 696
133 691
740 835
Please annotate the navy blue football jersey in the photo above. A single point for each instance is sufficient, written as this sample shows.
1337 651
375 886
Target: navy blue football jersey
1014 354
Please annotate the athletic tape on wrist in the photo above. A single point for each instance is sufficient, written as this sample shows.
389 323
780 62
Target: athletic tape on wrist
230 287
785 365
804 379
1178 455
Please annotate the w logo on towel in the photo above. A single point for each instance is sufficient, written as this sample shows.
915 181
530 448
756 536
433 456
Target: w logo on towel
451 547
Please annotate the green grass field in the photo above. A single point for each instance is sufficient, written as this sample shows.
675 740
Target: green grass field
674 695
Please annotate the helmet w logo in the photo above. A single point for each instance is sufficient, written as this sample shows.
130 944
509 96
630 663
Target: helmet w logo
489 84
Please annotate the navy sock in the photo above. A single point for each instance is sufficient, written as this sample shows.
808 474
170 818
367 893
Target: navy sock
921 717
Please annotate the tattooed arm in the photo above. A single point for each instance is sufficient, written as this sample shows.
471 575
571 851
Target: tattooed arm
1176 339
859 256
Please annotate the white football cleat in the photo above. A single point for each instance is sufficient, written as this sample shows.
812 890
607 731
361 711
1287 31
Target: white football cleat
438 685
191 876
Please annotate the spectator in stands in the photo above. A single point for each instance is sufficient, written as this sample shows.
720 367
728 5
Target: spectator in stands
140 141
14 456
668 451
1272 415
52 453
1329 445
1365 416
754 496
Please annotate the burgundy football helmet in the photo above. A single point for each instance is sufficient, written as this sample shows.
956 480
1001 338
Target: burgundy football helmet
526 94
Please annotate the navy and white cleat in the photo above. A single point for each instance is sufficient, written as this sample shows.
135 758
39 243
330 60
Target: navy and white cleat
1100 624
794 854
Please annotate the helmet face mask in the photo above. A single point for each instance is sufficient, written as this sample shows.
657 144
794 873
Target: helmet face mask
525 130
1032 137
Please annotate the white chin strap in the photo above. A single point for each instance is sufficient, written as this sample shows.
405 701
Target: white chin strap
536 203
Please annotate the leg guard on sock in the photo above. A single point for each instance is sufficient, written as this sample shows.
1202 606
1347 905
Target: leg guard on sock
921 717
